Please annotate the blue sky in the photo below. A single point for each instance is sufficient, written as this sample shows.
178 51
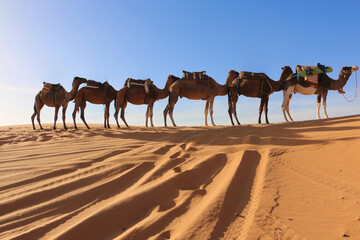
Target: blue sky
54 41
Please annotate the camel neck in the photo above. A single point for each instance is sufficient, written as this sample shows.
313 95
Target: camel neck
69 96
340 83
222 90
162 93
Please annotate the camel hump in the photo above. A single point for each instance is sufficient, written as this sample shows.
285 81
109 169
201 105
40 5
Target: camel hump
47 87
252 75
146 83
311 73
195 75
94 84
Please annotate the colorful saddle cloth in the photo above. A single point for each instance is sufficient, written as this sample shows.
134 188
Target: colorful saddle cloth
306 72
138 82
311 73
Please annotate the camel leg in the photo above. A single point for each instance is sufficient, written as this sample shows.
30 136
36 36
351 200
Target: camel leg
283 105
325 92
261 109
287 94
166 110
266 109
107 115
56 116
120 102
76 108
151 114
288 109
235 114
318 105
147 114
122 115
82 114
64 107
38 109
116 115
38 105
33 117
207 104
230 110
171 105
171 113
211 111
235 98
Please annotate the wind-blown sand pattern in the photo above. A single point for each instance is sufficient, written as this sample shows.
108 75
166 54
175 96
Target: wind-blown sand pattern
281 181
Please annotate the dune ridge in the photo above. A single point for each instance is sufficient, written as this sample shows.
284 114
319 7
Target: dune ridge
280 181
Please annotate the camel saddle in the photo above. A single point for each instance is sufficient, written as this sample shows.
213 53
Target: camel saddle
251 75
130 82
262 77
48 87
195 75
313 79
94 84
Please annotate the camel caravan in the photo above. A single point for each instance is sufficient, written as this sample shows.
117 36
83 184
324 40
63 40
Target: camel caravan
307 80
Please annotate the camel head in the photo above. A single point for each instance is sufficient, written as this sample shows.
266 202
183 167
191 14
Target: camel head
79 80
231 76
233 73
287 71
171 79
347 71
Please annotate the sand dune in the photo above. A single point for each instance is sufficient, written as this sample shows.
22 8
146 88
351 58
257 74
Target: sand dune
280 181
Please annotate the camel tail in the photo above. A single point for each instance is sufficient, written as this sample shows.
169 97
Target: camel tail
115 102
35 107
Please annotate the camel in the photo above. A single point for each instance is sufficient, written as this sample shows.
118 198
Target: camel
54 95
197 89
294 85
260 86
137 95
103 94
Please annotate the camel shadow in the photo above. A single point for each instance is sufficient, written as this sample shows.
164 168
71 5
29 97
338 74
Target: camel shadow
281 134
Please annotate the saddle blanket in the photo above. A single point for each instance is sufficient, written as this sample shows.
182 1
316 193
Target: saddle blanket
93 84
138 82
195 75
48 86
312 79
251 75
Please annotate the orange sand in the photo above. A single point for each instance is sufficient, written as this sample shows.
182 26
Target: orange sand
280 181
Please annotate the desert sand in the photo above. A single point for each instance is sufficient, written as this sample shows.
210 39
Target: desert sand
295 180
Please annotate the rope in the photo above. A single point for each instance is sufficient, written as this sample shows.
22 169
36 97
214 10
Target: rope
342 92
